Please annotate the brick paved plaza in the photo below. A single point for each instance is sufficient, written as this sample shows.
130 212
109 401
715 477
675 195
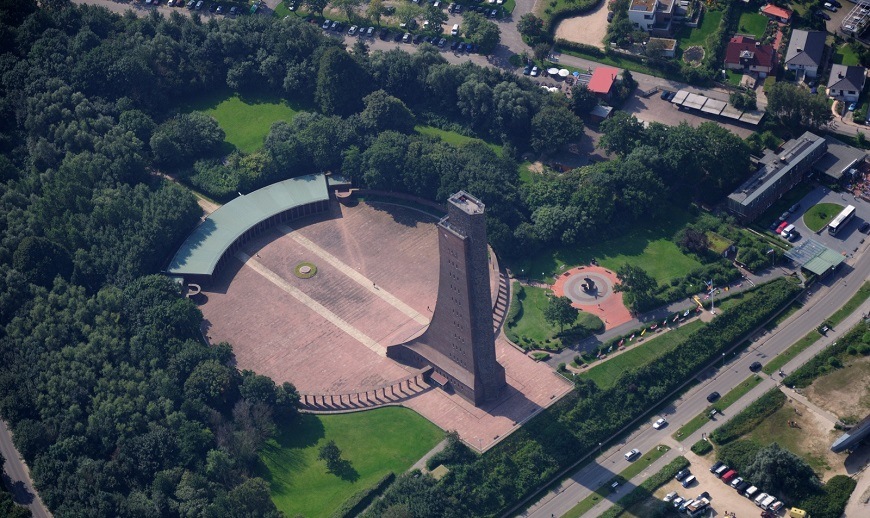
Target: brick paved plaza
376 281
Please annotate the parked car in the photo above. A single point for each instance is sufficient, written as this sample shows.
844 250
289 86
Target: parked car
442 42
234 11
526 71
384 34
352 30
535 71
716 466
755 367
823 15
610 17
418 38
689 481
632 454
704 495
678 501
712 397
665 94
741 487
830 7
371 31
660 423
864 228
736 482
406 38
794 208
835 3
670 496
683 473
852 106
398 37
326 24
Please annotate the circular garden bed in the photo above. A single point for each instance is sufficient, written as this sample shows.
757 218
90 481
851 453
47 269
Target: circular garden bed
305 270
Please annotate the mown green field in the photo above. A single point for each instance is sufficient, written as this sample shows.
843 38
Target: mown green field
820 215
453 138
247 121
531 324
647 246
375 442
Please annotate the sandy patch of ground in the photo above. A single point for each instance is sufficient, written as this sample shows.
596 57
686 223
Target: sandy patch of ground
589 28
845 392
811 440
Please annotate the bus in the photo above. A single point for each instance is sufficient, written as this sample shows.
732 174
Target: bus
841 220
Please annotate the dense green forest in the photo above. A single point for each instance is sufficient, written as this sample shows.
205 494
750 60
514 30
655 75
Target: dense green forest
115 402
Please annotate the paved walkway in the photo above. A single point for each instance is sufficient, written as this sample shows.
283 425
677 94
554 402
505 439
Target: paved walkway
357 277
312 304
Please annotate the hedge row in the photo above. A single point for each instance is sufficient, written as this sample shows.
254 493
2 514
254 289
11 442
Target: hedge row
356 504
831 501
826 360
646 489
749 418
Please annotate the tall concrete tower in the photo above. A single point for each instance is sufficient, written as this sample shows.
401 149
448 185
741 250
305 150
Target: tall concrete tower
459 343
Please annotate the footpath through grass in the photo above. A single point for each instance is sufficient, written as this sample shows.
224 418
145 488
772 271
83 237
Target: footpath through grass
722 404
813 336
627 474
374 442
245 120
606 373
648 246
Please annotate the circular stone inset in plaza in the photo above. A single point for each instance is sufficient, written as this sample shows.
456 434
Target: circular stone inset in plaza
305 270
580 290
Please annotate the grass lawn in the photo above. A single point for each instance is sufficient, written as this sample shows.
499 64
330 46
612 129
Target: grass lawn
687 36
531 330
633 470
453 138
646 246
526 174
820 215
375 442
724 402
605 373
844 55
281 10
752 23
734 77
246 121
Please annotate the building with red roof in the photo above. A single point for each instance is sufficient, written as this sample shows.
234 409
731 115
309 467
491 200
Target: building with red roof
750 56
775 12
602 81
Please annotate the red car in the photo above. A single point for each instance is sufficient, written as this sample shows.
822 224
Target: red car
729 476
781 227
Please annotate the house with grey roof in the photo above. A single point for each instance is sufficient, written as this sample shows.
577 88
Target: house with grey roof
805 52
846 82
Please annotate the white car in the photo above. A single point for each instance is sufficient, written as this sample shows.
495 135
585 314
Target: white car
670 496
535 71
632 454
660 423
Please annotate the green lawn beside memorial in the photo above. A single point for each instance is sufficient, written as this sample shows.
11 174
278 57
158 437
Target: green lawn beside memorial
648 246
374 442
246 121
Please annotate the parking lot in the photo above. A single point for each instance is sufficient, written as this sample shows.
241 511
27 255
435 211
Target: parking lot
849 238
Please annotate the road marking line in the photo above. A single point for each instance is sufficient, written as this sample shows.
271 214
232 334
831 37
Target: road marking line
315 306
359 278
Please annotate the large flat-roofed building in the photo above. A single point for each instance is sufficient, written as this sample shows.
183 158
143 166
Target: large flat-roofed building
459 343
225 230
776 175
841 162
652 16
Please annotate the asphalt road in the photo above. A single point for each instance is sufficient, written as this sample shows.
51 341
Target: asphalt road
824 300
16 476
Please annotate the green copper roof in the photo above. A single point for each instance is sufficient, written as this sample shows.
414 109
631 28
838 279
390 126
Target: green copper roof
204 247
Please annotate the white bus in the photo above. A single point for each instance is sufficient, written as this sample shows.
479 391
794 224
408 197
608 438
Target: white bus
841 220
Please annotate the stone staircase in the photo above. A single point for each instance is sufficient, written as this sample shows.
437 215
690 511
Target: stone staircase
383 395
501 303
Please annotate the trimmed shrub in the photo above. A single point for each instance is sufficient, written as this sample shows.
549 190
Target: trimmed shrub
702 447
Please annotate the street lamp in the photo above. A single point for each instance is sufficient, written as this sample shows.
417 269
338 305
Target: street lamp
599 449
723 360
